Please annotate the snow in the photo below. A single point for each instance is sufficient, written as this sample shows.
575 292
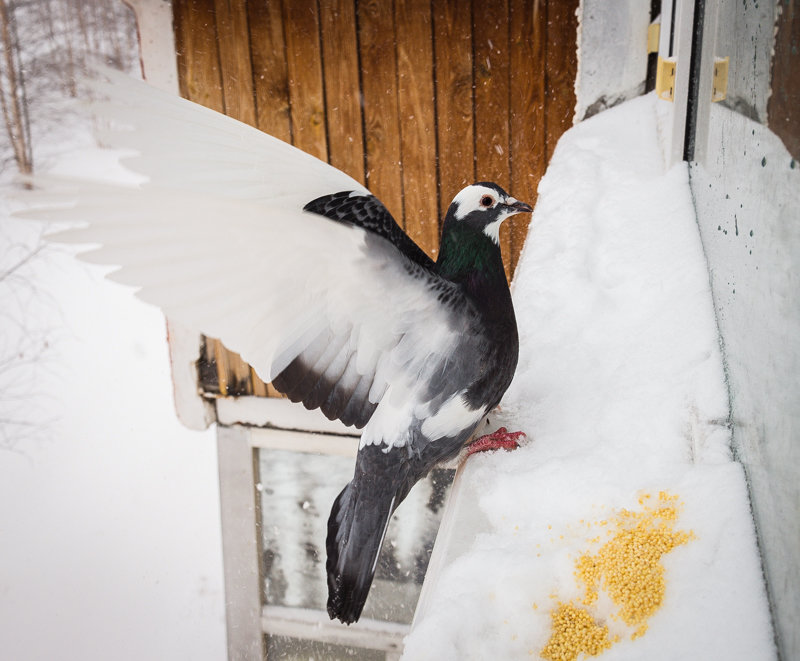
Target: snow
109 510
621 390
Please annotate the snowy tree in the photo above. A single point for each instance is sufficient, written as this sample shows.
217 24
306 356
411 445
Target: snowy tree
12 91
47 45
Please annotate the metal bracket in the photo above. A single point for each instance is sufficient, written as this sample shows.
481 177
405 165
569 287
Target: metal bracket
719 84
665 78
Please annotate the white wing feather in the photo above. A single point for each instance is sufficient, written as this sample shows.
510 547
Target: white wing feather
217 238
182 145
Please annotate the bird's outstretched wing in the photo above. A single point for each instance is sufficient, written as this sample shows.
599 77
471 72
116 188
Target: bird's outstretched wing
334 312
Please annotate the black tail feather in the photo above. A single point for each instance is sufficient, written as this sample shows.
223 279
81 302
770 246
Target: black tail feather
356 528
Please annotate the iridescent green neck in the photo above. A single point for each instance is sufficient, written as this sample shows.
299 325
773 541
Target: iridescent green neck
466 254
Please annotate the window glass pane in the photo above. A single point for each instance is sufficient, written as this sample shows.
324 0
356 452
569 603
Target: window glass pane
297 492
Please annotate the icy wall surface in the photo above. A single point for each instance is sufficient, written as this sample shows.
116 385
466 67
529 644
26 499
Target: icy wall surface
747 196
620 387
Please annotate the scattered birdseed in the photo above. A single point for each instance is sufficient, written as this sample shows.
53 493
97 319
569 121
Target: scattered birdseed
629 565
628 568
575 631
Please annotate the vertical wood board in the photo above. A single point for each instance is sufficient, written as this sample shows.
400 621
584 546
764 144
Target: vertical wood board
341 74
783 108
417 119
306 89
270 70
234 57
200 79
379 91
452 22
528 154
490 30
561 61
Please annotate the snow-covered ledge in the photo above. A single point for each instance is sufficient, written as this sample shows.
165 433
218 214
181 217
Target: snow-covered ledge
621 389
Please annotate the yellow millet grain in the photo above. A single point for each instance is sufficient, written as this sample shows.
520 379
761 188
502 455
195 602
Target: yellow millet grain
574 631
629 565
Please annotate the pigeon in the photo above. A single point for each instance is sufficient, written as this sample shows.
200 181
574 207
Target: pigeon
302 271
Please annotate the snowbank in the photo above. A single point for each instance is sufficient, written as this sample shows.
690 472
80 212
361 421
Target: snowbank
621 389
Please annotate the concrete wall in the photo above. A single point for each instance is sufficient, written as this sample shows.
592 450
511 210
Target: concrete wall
747 197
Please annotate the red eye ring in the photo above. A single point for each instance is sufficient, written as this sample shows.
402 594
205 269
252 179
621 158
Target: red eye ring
487 201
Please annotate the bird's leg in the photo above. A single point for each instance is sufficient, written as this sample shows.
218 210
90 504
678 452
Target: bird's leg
502 438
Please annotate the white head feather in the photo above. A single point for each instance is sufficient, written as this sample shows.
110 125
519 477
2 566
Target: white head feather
483 198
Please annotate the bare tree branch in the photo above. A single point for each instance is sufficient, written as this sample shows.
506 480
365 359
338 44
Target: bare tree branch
16 267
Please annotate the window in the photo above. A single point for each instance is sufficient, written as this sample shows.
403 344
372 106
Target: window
277 487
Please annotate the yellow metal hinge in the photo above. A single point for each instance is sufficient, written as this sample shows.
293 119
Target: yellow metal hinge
665 78
719 85
653 35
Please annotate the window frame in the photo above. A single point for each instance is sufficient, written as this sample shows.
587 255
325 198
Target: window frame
249 618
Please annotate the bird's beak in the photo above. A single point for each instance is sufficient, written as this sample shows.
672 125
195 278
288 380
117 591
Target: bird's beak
515 206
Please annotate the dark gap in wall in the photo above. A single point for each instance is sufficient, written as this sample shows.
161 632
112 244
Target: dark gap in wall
652 58
694 80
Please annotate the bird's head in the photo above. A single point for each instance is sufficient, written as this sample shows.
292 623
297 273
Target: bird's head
484 206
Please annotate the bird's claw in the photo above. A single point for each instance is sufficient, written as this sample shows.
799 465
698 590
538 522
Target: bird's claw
500 439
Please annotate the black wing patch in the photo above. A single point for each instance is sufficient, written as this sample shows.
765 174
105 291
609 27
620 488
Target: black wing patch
324 376
367 211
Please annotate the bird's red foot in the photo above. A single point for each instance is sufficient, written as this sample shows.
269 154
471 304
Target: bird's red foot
502 438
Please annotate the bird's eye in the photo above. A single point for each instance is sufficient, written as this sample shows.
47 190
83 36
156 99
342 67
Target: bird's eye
487 201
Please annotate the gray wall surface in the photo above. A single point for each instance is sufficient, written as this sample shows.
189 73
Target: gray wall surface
747 197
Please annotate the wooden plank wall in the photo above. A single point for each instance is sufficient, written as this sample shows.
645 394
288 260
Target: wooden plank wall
414 98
